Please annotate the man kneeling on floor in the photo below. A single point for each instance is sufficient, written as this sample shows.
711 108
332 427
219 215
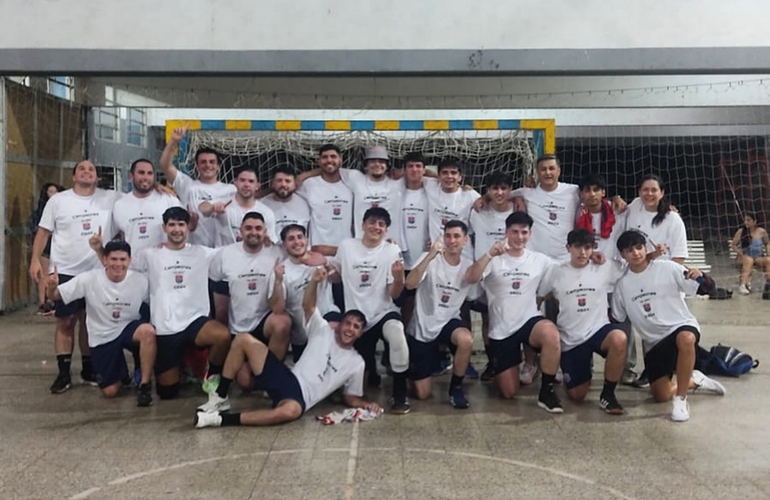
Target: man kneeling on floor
328 363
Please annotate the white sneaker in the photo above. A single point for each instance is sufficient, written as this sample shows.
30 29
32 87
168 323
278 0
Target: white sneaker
706 384
680 411
527 373
215 403
207 419
743 290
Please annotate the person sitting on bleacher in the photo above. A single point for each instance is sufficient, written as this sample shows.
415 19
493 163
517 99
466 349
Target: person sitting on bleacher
752 246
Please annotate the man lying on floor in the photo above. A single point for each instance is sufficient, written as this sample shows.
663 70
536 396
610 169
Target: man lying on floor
328 363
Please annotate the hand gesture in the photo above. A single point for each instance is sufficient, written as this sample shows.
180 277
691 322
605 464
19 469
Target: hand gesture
95 241
436 248
53 281
219 207
319 274
497 249
619 205
194 217
397 268
279 269
178 134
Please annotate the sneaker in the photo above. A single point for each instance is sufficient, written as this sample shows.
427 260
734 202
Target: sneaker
210 383
374 379
61 384
207 419
706 384
488 373
559 377
629 377
743 290
641 382
215 404
46 309
89 378
457 398
550 402
610 404
527 373
399 406
144 395
443 367
680 411
471 372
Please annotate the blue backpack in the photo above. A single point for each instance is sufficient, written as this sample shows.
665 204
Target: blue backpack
725 360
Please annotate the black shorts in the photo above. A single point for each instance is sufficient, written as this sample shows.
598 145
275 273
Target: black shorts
64 310
506 353
477 305
576 363
171 347
108 359
259 331
660 361
424 356
279 382
367 343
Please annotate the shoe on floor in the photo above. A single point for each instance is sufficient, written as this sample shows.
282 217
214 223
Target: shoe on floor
610 405
144 395
527 373
680 411
207 419
215 404
61 384
488 373
629 377
399 406
471 372
550 402
89 378
641 382
706 384
457 398
743 290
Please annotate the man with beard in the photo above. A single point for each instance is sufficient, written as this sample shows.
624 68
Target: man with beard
298 270
193 192
249 267
138 216
71 218
287 208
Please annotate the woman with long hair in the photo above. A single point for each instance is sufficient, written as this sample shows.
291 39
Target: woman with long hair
752 245
45 307
651 214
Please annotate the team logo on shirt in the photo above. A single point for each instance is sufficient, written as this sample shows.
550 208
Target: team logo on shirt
552 215
115 314
445 298
86 226
647 307
252 285
179 278
581 301
142 228
336 210
411 219
516 285
364 277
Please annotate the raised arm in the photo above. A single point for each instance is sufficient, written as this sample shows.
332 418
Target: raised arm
207 209
416 274
311 292
167 158
395 288
476 271
277 299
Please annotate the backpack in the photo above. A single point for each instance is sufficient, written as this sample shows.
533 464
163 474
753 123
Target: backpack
724 360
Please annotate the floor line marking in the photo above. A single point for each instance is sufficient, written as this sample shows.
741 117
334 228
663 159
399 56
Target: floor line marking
350 486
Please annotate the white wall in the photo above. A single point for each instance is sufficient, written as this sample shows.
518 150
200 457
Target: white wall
391 24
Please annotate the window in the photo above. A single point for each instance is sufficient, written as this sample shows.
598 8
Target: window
61 86
137 128
107 122
108 177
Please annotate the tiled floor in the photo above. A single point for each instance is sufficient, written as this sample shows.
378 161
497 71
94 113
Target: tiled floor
78 445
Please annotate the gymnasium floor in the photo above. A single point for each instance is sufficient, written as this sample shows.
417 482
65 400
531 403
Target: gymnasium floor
78 445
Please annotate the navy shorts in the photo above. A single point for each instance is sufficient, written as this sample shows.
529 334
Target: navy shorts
660 361
259 331
279 382
424 356
576 363
367 343
108 359
506 353
64 310
171 347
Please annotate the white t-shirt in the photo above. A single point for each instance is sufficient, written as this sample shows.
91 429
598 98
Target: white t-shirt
653 300
670 232
582 295
608 246
444 207
366 275
414 217
248 275
141 219
291 211
440 296
72 220
193 193
325 366
488 226
367 194
295 280
511 284
229 223
110 306
553 213
179 282
331 210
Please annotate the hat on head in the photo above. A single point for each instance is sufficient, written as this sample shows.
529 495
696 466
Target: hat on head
377 153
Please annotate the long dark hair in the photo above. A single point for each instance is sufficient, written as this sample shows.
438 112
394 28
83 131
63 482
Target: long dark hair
43 198
664 205
745 232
